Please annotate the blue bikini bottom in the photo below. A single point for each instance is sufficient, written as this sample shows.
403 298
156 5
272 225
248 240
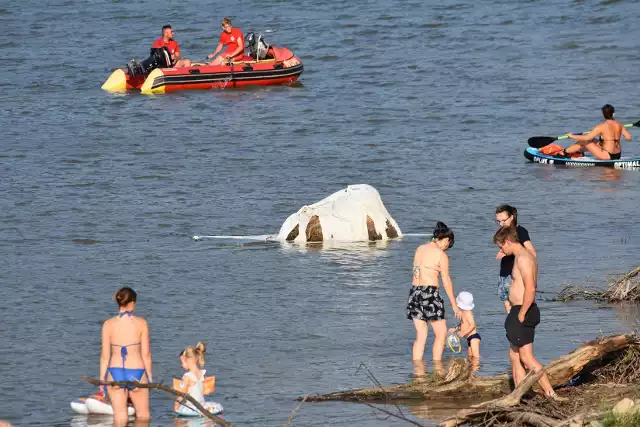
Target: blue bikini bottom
125 374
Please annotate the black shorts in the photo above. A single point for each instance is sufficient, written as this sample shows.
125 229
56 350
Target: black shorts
425 303
520 334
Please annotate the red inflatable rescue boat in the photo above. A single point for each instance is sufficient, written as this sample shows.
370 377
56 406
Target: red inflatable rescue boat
265 65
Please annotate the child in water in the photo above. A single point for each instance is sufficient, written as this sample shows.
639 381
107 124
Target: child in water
192 359
467 327
194 383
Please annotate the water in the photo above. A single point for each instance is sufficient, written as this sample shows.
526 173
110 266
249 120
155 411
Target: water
430 102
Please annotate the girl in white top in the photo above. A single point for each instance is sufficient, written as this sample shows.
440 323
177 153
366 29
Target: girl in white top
192 360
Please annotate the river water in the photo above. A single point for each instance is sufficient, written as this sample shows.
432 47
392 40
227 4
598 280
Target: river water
431 102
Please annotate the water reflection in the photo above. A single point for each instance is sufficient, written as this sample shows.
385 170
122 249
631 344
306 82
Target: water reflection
551 173
437 411
629 315
442 368
433 411
600 174
338 249
104 421
611 175
193 422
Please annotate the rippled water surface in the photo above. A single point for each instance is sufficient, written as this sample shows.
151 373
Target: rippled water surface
431 102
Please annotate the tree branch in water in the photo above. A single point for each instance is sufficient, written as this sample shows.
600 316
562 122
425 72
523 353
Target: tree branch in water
160 386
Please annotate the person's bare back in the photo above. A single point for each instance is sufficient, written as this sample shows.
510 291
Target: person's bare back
427 265
610 131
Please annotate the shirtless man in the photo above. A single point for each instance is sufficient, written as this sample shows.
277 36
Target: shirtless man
608 148
524 315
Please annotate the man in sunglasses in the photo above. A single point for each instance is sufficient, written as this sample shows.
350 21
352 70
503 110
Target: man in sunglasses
233 39
172 46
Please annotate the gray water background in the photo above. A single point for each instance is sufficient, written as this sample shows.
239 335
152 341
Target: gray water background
431 102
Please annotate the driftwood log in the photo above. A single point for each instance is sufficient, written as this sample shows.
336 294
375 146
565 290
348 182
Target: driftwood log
162 387
461 383
500 404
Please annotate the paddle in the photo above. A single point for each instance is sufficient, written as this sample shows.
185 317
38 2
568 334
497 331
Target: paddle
543 141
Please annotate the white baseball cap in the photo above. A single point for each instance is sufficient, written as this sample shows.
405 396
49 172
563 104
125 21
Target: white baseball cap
464 301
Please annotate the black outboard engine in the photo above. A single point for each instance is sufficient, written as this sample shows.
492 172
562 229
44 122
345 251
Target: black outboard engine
159 57
258 48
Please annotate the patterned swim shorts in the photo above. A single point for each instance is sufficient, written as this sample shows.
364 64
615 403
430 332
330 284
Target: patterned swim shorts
425 303
504 283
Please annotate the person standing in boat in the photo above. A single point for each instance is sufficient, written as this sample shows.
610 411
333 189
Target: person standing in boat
608 146
233 39
169 42
126 356
507 216
425 303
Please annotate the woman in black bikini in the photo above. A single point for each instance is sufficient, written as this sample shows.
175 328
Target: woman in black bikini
608 147
425 303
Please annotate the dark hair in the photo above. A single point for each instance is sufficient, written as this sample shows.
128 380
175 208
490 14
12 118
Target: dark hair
607 111
443 232
124 296
506 233
166 27
511 211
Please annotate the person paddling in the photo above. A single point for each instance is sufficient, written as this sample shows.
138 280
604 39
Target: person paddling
608 146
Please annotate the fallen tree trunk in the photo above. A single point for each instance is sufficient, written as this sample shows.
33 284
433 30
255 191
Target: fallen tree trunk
500 404
462 383
162 387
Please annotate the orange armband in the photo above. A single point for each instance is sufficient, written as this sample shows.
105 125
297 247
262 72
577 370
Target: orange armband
209 385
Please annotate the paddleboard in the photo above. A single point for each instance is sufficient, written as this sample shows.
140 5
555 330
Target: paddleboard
534 155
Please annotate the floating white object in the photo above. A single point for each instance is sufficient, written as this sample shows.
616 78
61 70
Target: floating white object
350 215
95 407
185 411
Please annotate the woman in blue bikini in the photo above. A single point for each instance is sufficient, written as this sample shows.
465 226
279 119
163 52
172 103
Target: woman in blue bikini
126 356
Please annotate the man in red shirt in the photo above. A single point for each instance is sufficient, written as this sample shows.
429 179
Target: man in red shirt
233 39
172 46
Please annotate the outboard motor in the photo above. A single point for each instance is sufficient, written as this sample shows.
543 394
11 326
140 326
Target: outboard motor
258 48
159 57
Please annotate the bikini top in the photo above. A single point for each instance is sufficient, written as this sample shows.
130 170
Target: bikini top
123 348
416 269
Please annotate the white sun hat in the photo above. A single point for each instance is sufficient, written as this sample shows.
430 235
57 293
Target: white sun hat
464 301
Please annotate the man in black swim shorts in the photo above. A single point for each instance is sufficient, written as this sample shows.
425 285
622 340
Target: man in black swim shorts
524 315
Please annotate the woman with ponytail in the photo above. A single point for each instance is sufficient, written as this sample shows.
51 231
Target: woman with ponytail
425 302
194 382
